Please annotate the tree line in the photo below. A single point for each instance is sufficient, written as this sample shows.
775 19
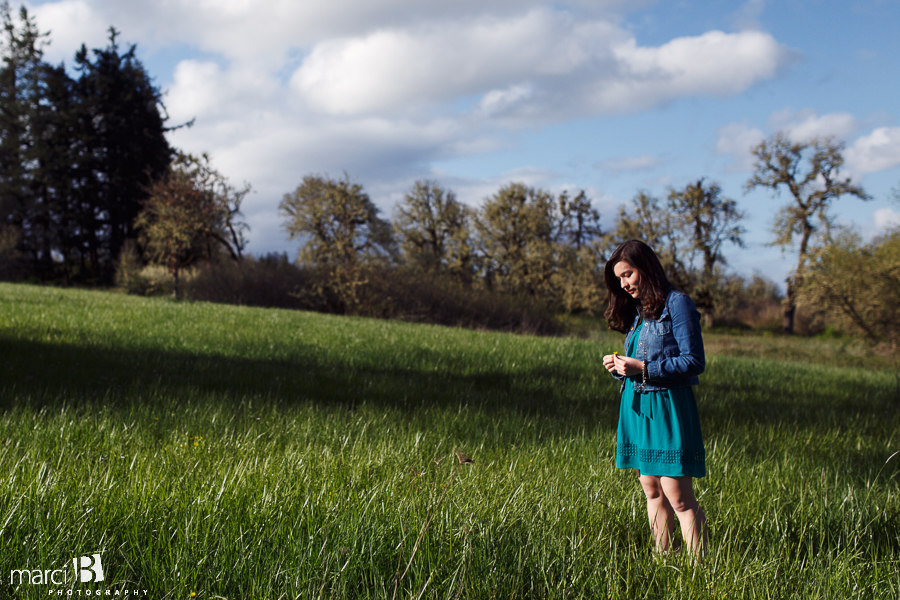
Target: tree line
528 243
523 241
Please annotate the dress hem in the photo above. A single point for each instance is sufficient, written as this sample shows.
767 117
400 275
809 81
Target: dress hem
660 471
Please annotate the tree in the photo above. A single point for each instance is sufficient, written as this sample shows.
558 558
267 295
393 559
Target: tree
746 302
517 233
9 252
123 149
656 225
581 254
341 233
579 224
22 100
226 230
434 231
55 177
190 214
706 221
810 171
76 156
856 286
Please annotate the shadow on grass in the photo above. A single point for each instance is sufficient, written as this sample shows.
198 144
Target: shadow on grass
562 396
48 374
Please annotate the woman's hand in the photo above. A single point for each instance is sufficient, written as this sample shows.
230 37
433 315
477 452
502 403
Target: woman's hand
627 366
609 363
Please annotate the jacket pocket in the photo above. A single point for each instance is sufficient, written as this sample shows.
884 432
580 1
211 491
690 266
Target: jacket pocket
660 328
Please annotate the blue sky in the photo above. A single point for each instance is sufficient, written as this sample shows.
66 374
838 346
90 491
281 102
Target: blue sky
609 96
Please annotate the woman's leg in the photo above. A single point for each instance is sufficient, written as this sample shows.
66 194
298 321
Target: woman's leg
659 511
679 491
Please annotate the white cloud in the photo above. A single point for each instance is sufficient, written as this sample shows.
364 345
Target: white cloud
545 62
71 23
240 29
747 16
389 70
884 219
629 163
877 151
275 150
204 90
715 63
804 125
499 102
196 91
738 140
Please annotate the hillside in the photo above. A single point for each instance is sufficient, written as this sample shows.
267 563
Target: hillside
250 453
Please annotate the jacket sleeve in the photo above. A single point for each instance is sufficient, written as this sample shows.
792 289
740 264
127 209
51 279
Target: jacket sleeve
691 360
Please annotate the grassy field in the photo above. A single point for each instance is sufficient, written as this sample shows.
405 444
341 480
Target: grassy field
209 451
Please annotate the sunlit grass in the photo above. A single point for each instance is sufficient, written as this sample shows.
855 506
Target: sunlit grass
248 453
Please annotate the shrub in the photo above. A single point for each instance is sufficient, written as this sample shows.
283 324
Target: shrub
270 282
854 286
128 268
383 292
748 303
10 257
147 280
415 295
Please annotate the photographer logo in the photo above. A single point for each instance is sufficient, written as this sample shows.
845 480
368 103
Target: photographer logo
64 581
88 568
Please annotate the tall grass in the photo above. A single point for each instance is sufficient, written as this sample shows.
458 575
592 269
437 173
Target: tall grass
236 452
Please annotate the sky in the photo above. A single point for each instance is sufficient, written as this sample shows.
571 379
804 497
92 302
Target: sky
613 97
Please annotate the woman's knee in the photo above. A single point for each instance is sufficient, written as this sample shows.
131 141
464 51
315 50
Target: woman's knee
652 487
680 493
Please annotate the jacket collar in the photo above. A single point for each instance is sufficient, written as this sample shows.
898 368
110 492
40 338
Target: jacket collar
665 310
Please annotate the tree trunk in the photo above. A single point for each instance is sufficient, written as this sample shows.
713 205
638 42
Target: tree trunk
177 287
793 282
790 307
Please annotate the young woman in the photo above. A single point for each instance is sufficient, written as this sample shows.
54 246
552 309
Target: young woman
659 428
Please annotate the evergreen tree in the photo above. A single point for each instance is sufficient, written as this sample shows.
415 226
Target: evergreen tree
123 150
76 156
52 172
21 93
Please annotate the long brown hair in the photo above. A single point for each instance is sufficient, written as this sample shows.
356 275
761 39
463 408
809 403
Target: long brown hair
654 284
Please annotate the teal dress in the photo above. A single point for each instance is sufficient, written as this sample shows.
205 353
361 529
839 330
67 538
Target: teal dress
659 432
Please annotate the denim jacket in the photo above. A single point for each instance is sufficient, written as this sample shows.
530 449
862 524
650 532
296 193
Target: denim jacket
671 346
